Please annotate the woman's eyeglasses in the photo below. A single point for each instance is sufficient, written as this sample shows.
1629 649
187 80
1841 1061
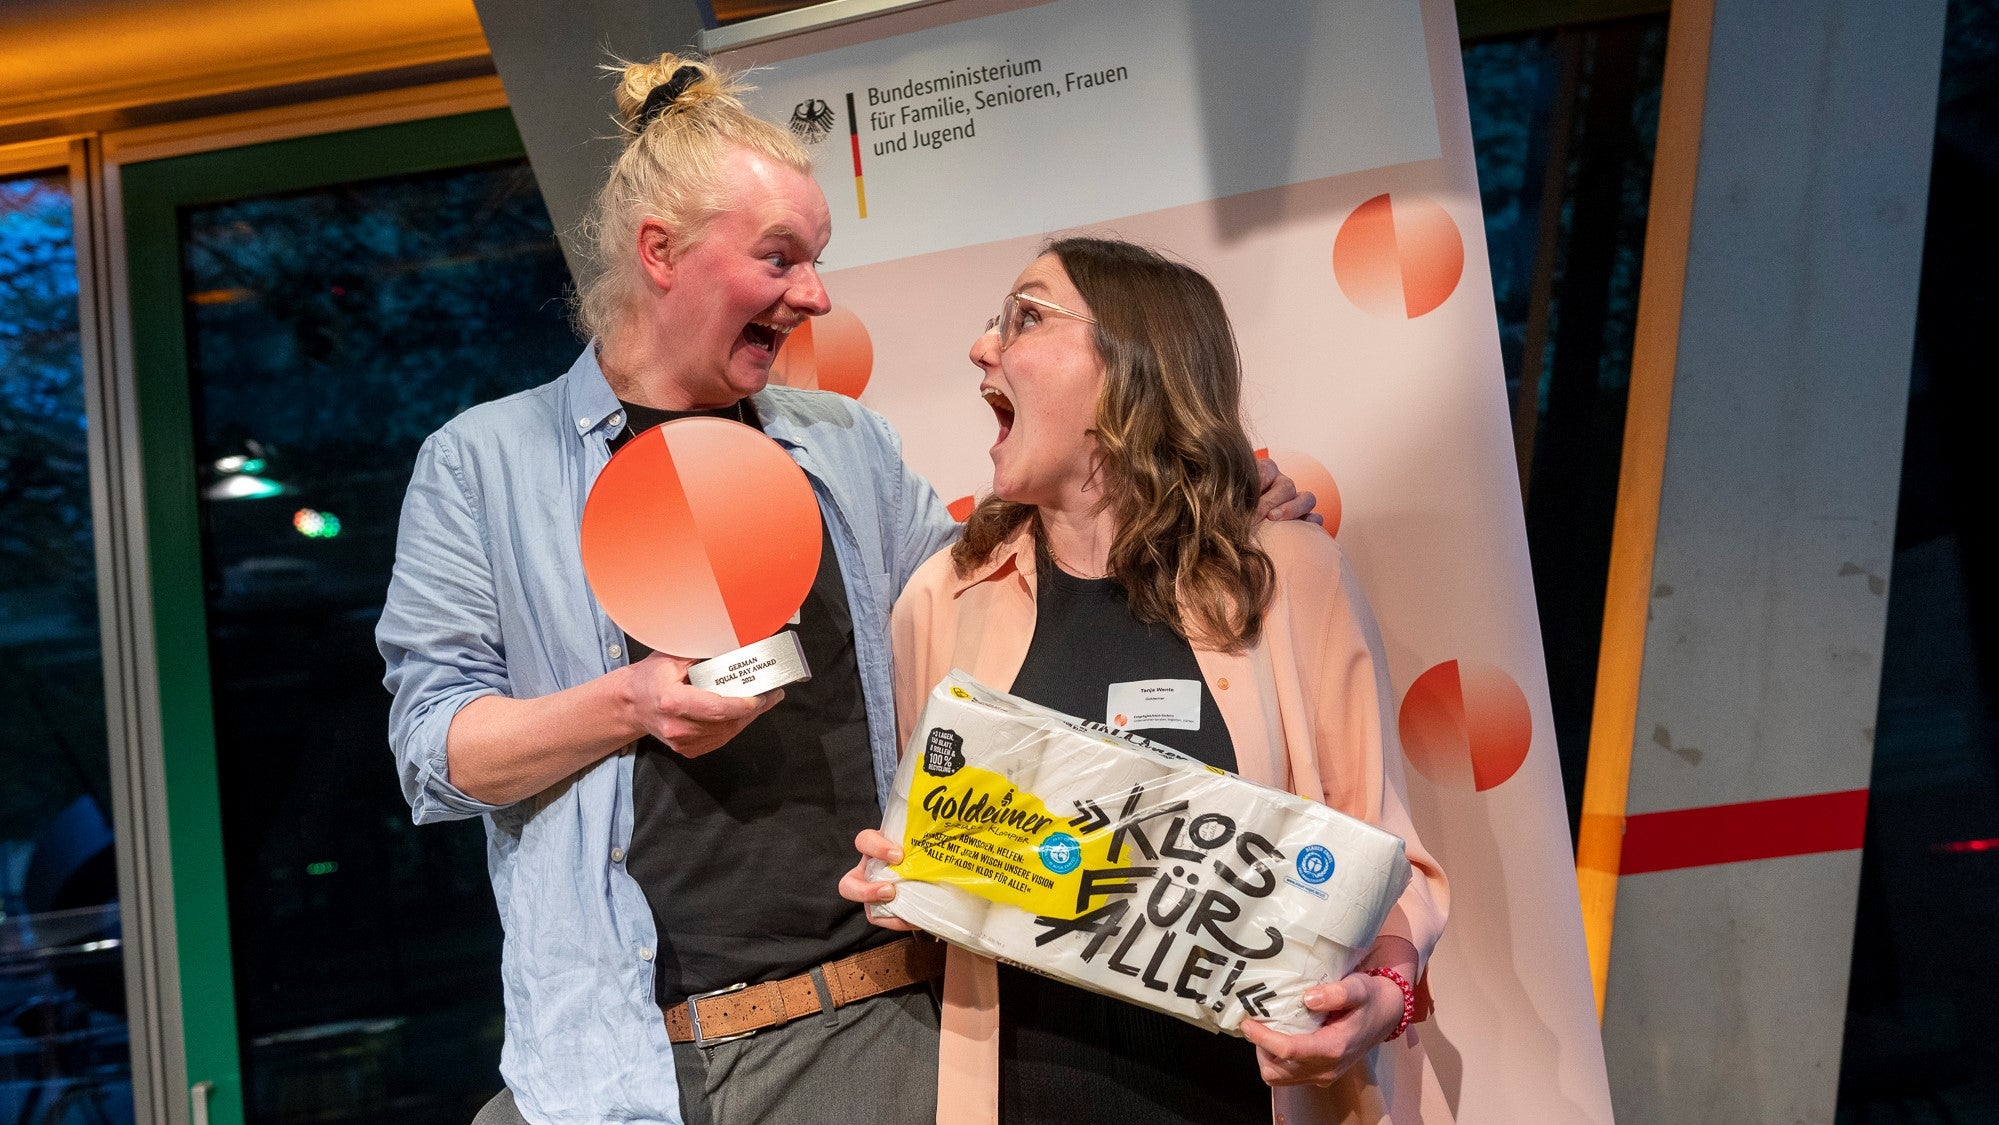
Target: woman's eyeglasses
1015 310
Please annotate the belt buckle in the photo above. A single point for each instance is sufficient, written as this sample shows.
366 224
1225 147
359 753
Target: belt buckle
694 1017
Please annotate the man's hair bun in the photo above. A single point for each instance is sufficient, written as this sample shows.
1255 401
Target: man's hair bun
669 84
680 119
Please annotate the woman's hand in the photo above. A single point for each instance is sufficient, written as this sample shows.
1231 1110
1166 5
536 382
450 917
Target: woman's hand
1362 1010
856 887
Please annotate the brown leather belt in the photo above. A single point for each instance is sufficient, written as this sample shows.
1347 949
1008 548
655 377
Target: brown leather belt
738 1010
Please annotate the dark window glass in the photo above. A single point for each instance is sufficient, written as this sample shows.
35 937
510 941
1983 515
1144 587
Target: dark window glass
1514 87
329 331
1921 1023
63 1047
1564 123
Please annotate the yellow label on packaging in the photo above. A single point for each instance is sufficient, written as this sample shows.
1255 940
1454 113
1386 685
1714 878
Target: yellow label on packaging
976 830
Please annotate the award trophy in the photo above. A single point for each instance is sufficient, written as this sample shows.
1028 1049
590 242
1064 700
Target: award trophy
701 539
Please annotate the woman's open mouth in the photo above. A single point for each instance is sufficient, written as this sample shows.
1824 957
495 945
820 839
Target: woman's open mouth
1002 409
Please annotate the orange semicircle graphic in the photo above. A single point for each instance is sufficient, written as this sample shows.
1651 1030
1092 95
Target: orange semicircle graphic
1465 724
827 353
700 536
1398 257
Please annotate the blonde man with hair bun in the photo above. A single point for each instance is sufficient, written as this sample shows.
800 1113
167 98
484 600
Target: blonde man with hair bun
651 843
673 172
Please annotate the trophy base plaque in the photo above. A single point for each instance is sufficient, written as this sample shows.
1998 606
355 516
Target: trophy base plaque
754 669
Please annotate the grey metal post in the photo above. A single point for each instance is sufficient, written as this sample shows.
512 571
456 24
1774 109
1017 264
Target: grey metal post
549 55
1793 250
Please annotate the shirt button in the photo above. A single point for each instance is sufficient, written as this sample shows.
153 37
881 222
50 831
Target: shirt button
645 954
616 651
584 422
617 855
1222 684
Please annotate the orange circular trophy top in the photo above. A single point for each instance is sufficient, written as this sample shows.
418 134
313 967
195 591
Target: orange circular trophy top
701 536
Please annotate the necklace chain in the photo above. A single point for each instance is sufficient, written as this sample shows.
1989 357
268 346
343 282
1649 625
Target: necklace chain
1058 565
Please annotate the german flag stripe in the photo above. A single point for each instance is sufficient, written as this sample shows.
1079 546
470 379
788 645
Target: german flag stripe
854 134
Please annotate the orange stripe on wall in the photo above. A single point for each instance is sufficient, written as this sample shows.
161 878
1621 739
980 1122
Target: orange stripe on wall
1641 477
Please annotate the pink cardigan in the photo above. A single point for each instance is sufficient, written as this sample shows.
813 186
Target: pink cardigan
1304 706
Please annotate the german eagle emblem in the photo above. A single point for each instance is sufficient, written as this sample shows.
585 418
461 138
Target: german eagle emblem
811 120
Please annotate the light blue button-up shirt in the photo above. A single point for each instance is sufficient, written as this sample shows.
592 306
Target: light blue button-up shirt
488 598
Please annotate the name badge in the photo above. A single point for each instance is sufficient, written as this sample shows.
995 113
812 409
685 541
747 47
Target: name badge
1154 705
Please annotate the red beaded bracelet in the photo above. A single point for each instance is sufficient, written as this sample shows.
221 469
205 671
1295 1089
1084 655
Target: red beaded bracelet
1408 999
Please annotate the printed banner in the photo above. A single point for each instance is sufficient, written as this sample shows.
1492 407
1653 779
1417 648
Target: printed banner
1315 161
927 137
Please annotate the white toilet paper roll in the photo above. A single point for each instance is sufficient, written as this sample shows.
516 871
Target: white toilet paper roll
1092 784
950 913
1248 913
1357 871
1333 883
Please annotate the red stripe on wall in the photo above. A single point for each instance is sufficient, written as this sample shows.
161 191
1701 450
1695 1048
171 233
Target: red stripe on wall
857 153
1668 841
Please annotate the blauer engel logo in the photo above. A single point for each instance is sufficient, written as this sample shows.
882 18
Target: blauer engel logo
1315 864
1062 853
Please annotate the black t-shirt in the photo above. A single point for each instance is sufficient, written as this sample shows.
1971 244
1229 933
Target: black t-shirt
1067 1055
740 851
1085 640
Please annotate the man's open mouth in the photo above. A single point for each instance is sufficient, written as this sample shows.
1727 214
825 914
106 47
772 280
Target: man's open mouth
769 337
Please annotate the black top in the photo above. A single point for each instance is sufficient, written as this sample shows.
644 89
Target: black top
1067 1055
1085 640
740 851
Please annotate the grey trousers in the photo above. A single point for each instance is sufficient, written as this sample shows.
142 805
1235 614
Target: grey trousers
874 1062
500 1111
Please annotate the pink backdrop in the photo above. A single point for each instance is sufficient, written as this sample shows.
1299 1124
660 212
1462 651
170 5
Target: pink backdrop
1370 341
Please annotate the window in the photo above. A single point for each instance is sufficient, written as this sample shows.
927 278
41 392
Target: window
329 331
1564 123
64 1052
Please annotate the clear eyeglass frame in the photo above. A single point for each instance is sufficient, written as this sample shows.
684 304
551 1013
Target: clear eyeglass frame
1008 322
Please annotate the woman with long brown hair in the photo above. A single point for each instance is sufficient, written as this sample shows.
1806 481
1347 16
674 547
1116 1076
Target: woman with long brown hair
1120 545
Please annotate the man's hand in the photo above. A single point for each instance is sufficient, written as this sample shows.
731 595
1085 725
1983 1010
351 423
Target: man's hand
690 721
855 885
501 750
1281 499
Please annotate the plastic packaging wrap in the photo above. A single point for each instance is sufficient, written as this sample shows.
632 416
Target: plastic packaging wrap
1122 866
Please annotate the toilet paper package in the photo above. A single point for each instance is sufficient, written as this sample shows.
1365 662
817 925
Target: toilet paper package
1124 867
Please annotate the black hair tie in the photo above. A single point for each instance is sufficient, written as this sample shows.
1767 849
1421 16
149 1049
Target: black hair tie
665 94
